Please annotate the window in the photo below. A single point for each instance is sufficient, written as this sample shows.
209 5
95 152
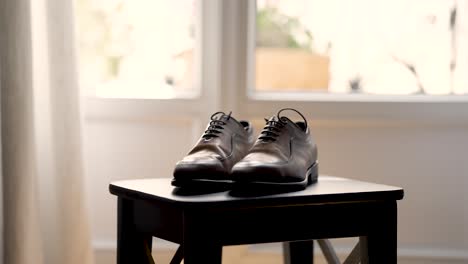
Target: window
137 49
365 46
353 59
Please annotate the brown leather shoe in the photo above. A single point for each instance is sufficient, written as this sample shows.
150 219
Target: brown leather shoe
224 142
284 155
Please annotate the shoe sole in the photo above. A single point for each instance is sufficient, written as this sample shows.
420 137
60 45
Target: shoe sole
201 183
200 176
311 178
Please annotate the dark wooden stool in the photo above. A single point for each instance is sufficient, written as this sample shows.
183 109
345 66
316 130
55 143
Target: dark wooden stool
203 222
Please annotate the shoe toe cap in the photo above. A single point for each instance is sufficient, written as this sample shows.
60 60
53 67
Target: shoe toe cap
207 168
257 171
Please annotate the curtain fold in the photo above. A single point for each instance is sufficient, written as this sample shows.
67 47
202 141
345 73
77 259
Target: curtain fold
43 198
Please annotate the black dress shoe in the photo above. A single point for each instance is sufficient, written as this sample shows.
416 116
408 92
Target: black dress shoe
284 155
224 142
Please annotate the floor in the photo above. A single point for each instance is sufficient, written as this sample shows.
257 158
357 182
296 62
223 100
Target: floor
240 255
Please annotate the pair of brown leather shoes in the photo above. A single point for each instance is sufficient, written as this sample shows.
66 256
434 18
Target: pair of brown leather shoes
284 154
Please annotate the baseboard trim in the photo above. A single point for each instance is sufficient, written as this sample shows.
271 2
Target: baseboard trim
111 245
433 253
406 253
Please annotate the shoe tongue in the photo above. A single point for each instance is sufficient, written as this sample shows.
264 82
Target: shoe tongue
224 117
285 120
273 118
276 119
301 125
221 117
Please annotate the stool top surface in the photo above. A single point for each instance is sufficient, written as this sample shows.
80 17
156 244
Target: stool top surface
326 190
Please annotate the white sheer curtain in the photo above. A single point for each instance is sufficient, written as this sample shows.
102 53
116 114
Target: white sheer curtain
43 202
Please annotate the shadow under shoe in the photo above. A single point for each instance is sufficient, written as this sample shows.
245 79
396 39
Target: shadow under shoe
201 189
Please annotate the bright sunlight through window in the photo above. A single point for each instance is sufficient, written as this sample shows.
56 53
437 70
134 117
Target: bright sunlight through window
136 49
362 46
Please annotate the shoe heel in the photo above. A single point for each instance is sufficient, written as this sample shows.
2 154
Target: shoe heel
312 173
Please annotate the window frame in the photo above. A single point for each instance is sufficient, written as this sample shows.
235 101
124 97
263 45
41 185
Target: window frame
327 106
206 80
226 48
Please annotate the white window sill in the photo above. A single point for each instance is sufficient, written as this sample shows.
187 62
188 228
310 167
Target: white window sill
366 109
335 109
361 98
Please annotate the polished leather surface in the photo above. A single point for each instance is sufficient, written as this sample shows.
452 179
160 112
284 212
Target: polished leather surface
213 157
283 160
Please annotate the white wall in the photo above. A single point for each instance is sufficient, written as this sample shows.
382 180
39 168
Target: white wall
428 160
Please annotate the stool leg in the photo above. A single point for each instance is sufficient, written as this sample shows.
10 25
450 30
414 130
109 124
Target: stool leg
355 256
132 246
199 242
363 250
298 252
382 240
202 252
178 256
328 251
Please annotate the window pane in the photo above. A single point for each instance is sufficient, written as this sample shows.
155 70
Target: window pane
142 49
362 46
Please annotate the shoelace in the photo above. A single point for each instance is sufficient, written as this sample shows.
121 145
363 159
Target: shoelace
216 125
273 128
